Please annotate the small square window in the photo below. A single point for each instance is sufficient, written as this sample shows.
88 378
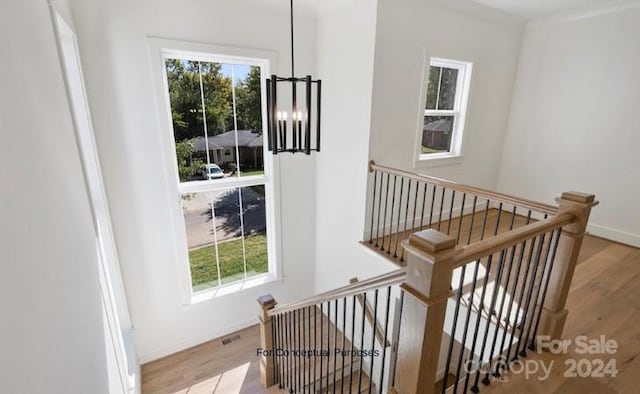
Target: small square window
445 106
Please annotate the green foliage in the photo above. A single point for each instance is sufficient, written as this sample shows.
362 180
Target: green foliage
183 78
203 260
248 101
432 87
187 165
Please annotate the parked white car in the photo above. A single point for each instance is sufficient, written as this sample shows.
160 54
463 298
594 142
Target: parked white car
212 171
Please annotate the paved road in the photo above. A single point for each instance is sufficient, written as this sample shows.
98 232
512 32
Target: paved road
226 203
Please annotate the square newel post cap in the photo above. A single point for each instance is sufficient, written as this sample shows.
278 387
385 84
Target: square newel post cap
431 241
578 197
267 302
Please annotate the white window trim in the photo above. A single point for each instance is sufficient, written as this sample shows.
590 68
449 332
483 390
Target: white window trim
463 85
159 49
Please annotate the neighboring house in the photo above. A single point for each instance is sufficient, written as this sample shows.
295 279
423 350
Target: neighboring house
222 147
436 134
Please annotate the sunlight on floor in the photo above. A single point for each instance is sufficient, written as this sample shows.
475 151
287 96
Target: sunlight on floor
226 383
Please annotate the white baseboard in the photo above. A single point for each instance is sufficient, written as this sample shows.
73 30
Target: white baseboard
196 340
614 235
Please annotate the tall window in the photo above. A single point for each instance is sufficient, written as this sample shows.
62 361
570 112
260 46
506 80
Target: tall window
445 106
217 112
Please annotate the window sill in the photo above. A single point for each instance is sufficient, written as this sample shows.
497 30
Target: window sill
232 288
438 160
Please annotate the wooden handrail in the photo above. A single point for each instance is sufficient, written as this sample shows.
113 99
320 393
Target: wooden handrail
500 197
387 279
489 246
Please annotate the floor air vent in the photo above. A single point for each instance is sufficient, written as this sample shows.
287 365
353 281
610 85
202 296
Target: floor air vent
228 340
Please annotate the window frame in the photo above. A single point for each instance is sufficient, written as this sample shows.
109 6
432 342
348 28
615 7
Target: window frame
159 50
459 111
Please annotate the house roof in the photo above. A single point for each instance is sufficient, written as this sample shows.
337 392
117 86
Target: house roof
247 138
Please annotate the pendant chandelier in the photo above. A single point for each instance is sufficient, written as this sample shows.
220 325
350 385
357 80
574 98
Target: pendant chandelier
292 125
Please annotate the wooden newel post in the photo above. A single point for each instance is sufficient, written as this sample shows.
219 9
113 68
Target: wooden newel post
426 290
554 314
267 302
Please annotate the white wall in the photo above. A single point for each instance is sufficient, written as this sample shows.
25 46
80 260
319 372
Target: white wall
120 87
375 113
409 33
574 122
346 35
51 335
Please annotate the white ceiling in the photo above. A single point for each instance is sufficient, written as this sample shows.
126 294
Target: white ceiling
537 8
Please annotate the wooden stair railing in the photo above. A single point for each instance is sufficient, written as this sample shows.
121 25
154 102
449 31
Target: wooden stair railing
344 344
534 266
402 202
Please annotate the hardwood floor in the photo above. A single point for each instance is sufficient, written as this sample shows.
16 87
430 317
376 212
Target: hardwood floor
209 368
604 300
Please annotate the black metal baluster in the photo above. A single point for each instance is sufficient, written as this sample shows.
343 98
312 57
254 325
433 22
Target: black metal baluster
519 325
464 199
395 252
288 337
364 302
384 339
466 325
277 346
433 201
472 293
321 347
512 296
481 306
473 215
486 379
523 331
353 339
415 207
342 348
305 330
373 206
453 198
384 217
457 308
441 208
328 341
406 217
397 335
546 287
315 345
295 349
335 342
393 204
491 312
484 221
533 284
274 346
424 200
539 288
373 337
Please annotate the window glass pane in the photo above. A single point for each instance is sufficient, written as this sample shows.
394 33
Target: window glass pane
448 88
255 229
226 235
199 225
437 132
186 113
432 87
249 117
232 140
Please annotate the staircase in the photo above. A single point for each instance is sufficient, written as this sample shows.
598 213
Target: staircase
479 276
